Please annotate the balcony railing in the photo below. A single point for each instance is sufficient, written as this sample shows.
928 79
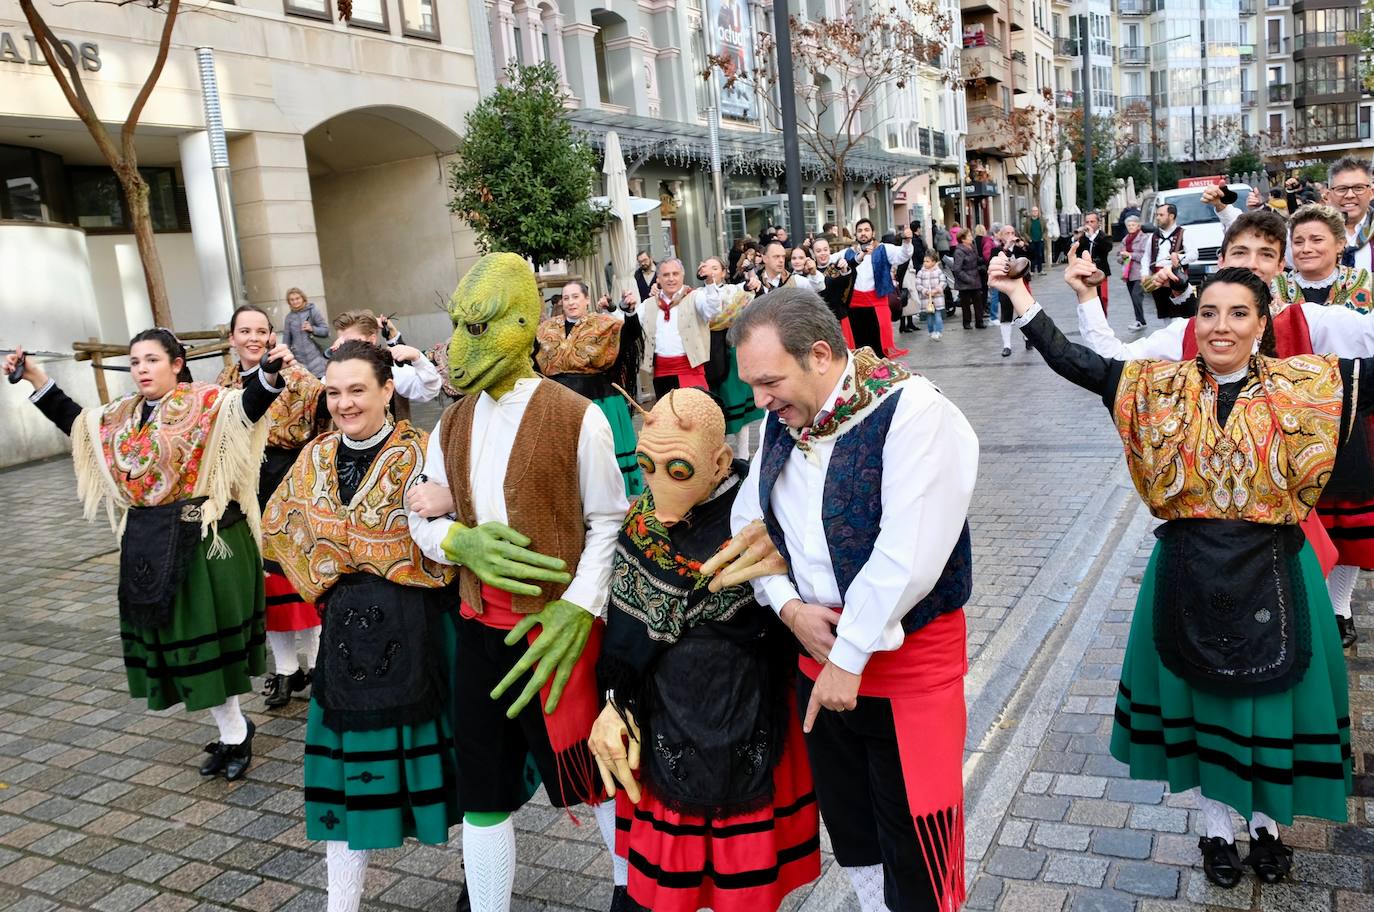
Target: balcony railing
1133 7
1247 53
1133 54
1280 92
1277 46
1135 101
941 144
1318 89
1248 97
1247 7
1065 47
1325 39
1274 4
923 140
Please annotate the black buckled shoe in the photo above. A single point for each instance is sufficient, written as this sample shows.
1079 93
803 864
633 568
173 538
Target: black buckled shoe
238 756
214 764
1271 859
278 690
1220 861
299 681
1347 628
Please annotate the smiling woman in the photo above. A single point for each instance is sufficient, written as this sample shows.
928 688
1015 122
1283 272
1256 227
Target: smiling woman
1203 681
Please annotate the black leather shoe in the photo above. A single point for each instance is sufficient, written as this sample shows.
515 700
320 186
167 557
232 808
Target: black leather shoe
1220 861
299 680
1347 628
1271 859
621 901
214 764
238 756
1006 353
278 691
464 903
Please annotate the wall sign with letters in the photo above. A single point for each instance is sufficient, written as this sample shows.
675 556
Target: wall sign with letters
87 53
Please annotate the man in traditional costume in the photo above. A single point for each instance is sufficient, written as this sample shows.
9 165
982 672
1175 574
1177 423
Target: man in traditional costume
863 481
873 262
584 351
677 337
702 674
526 498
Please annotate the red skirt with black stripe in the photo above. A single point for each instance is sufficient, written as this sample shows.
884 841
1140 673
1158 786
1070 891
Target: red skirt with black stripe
1350 523
683 862
285 610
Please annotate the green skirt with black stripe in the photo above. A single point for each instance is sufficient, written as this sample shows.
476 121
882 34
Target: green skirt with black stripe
737 398
213 645
617 412
1284 754
374 788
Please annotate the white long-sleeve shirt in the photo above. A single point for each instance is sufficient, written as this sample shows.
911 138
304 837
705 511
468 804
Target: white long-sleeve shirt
708 300
418 381
930 463
863 270
494 426
1334 331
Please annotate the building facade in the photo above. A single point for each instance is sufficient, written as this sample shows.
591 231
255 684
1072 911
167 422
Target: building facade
338 136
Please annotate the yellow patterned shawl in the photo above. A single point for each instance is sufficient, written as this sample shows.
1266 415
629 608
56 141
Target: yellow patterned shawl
291 418
590 348
733 301
198 442
317 539
1267 465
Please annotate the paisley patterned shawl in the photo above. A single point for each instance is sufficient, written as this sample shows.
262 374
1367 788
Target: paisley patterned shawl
291 417
867 380
1268 464
1353 289
316 538
198 442
734 299
590 348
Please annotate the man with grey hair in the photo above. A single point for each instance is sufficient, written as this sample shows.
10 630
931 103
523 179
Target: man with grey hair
1352 192
863 482
676 325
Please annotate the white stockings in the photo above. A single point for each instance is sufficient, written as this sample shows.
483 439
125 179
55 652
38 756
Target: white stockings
489 865
233 727
1341 585
347 870
605 821
1216 820
285 647
868 887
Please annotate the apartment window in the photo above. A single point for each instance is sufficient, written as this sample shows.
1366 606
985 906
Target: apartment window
519 46
419 19
369 14
603 69
313 9
1276 127
99 205
1327 76
1326 28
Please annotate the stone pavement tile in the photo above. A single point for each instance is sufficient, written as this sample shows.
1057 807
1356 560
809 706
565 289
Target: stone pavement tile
90 888
1021 864
55 880
1136 791
190 876
1062 836
168 902
984 893
268 896
1101 901
1014 833
1293 898
1084 870
1040 807
228 886
30 903
1098 813
1201 891
1122 843
19 872
1020 897
125 898
1167 820
1146 879
1354 902
1343 871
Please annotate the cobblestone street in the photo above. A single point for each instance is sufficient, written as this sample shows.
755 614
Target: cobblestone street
101 805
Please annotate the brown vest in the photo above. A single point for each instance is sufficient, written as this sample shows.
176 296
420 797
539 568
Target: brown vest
543 496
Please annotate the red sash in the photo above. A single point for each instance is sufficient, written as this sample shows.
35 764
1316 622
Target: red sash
866 299
679 366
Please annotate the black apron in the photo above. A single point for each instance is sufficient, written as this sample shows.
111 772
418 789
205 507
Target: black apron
153 555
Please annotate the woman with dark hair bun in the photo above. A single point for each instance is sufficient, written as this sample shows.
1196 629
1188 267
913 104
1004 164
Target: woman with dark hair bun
1233 680
292 623
379 755
176 464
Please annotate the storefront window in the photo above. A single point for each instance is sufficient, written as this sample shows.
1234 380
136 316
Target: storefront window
419 18
99 203
32 186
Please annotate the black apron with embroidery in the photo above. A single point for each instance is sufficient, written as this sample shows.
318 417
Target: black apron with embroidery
1230 610
153 555
379 660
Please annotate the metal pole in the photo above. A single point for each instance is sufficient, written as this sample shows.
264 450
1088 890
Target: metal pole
1087 116
219 161
787 98
1192 171
963 198
1154 126
717 178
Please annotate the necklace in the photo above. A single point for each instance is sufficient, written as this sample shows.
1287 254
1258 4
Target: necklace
370 442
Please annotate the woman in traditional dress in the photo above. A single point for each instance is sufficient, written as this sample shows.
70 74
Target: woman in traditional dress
583 351
1317 238
727 816
379 762
177 465
293 625
736 396
1233 679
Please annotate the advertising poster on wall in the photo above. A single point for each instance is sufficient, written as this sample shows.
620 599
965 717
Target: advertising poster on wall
731 38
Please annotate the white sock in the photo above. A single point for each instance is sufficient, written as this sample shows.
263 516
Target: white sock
233 727
489 865
605 821
1263 820
1341 586
868 887
1005 330
347 869
310 646
1216 819
283 643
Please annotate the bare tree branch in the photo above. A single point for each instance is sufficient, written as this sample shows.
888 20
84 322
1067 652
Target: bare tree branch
126 135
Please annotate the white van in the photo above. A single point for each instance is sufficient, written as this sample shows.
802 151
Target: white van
1201 226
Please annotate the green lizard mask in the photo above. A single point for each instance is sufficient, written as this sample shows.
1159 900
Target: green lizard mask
495 313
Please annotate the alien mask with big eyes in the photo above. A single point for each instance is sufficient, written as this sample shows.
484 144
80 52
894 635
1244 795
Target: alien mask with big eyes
683 453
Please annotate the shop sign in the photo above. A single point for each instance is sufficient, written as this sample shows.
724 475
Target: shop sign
731 39
87 53
972 188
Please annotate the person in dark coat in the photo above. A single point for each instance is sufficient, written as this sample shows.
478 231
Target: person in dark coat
1099 244
968 282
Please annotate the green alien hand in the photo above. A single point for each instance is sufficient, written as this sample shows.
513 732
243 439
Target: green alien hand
500 558
556 650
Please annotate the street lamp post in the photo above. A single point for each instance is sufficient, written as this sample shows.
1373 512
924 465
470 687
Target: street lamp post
1086 50
787 97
